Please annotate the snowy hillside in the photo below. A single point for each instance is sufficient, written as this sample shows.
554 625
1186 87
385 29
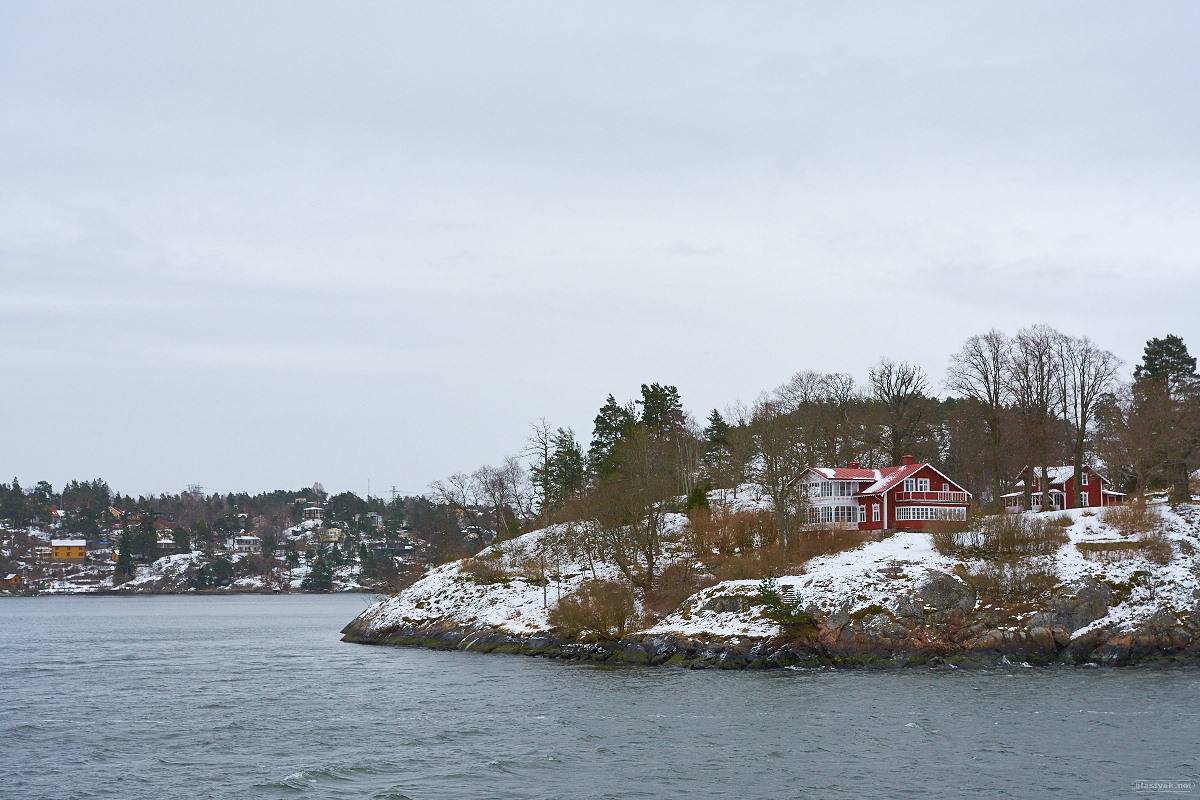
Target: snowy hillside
898 589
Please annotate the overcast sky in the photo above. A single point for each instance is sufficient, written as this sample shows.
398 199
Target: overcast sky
250 246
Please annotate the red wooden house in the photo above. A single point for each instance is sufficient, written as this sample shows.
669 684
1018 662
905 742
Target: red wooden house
906 497
1062 488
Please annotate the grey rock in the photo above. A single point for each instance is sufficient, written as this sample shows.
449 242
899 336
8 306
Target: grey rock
726 604
947 594
1081 604
910 606
838 619
882 625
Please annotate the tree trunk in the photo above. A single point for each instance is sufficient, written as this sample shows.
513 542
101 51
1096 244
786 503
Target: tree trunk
997 483
1181 492
781 526
1045 484
1028 490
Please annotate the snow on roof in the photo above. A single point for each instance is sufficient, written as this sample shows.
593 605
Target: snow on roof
10 576
849 473
68 543
1059 474
884 478
1055 474
892 476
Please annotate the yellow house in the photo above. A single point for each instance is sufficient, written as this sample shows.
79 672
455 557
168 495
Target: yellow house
68 549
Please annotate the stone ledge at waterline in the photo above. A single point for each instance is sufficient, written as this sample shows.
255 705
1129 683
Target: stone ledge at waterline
872 639
1096 594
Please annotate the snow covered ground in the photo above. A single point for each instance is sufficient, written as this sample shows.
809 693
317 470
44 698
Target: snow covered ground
882 574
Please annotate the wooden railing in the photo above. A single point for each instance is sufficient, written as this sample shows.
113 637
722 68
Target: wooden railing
931 497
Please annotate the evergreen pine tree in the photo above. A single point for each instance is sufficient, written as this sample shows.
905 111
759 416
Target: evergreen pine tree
567 471
320 575
697 498
611 426
146 537
716 433
1167 365
662 410
1166 359
125 566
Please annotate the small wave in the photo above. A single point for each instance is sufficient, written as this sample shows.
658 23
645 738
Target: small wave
307 778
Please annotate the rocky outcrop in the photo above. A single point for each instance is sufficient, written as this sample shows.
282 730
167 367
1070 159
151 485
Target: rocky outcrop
893 601
944 633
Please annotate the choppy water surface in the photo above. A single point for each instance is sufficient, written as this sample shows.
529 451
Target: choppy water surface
186 697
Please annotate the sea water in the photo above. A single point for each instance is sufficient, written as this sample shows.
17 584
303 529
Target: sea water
255 696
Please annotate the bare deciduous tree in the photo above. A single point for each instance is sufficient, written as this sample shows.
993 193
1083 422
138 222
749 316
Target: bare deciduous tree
505 491
777 461
1033 379
899 392
460 493
1136 427
979 371
1086 373
626 510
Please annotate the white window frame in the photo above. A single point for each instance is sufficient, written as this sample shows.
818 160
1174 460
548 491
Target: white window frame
922 484
1083 478
927 513
862 513
875 512
910 484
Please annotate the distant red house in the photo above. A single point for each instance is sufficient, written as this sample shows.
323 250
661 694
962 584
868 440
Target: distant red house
905 497
1062 488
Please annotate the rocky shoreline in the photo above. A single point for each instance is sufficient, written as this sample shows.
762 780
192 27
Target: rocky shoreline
941 633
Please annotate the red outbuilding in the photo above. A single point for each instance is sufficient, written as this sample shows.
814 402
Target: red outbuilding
1062 489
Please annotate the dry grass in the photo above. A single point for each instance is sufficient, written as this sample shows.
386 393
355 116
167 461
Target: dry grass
1013 582
596 610
728 533
744 545
1154 546
802 547
677 583
486 569
1001 537
1063 521
1133 518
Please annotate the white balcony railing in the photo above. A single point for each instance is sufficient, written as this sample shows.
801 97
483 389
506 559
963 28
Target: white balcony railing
931 497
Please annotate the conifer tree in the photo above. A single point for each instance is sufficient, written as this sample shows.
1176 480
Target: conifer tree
125 566
1166 359
716 436
1169 369
612 425
320 575
662 410
567 469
